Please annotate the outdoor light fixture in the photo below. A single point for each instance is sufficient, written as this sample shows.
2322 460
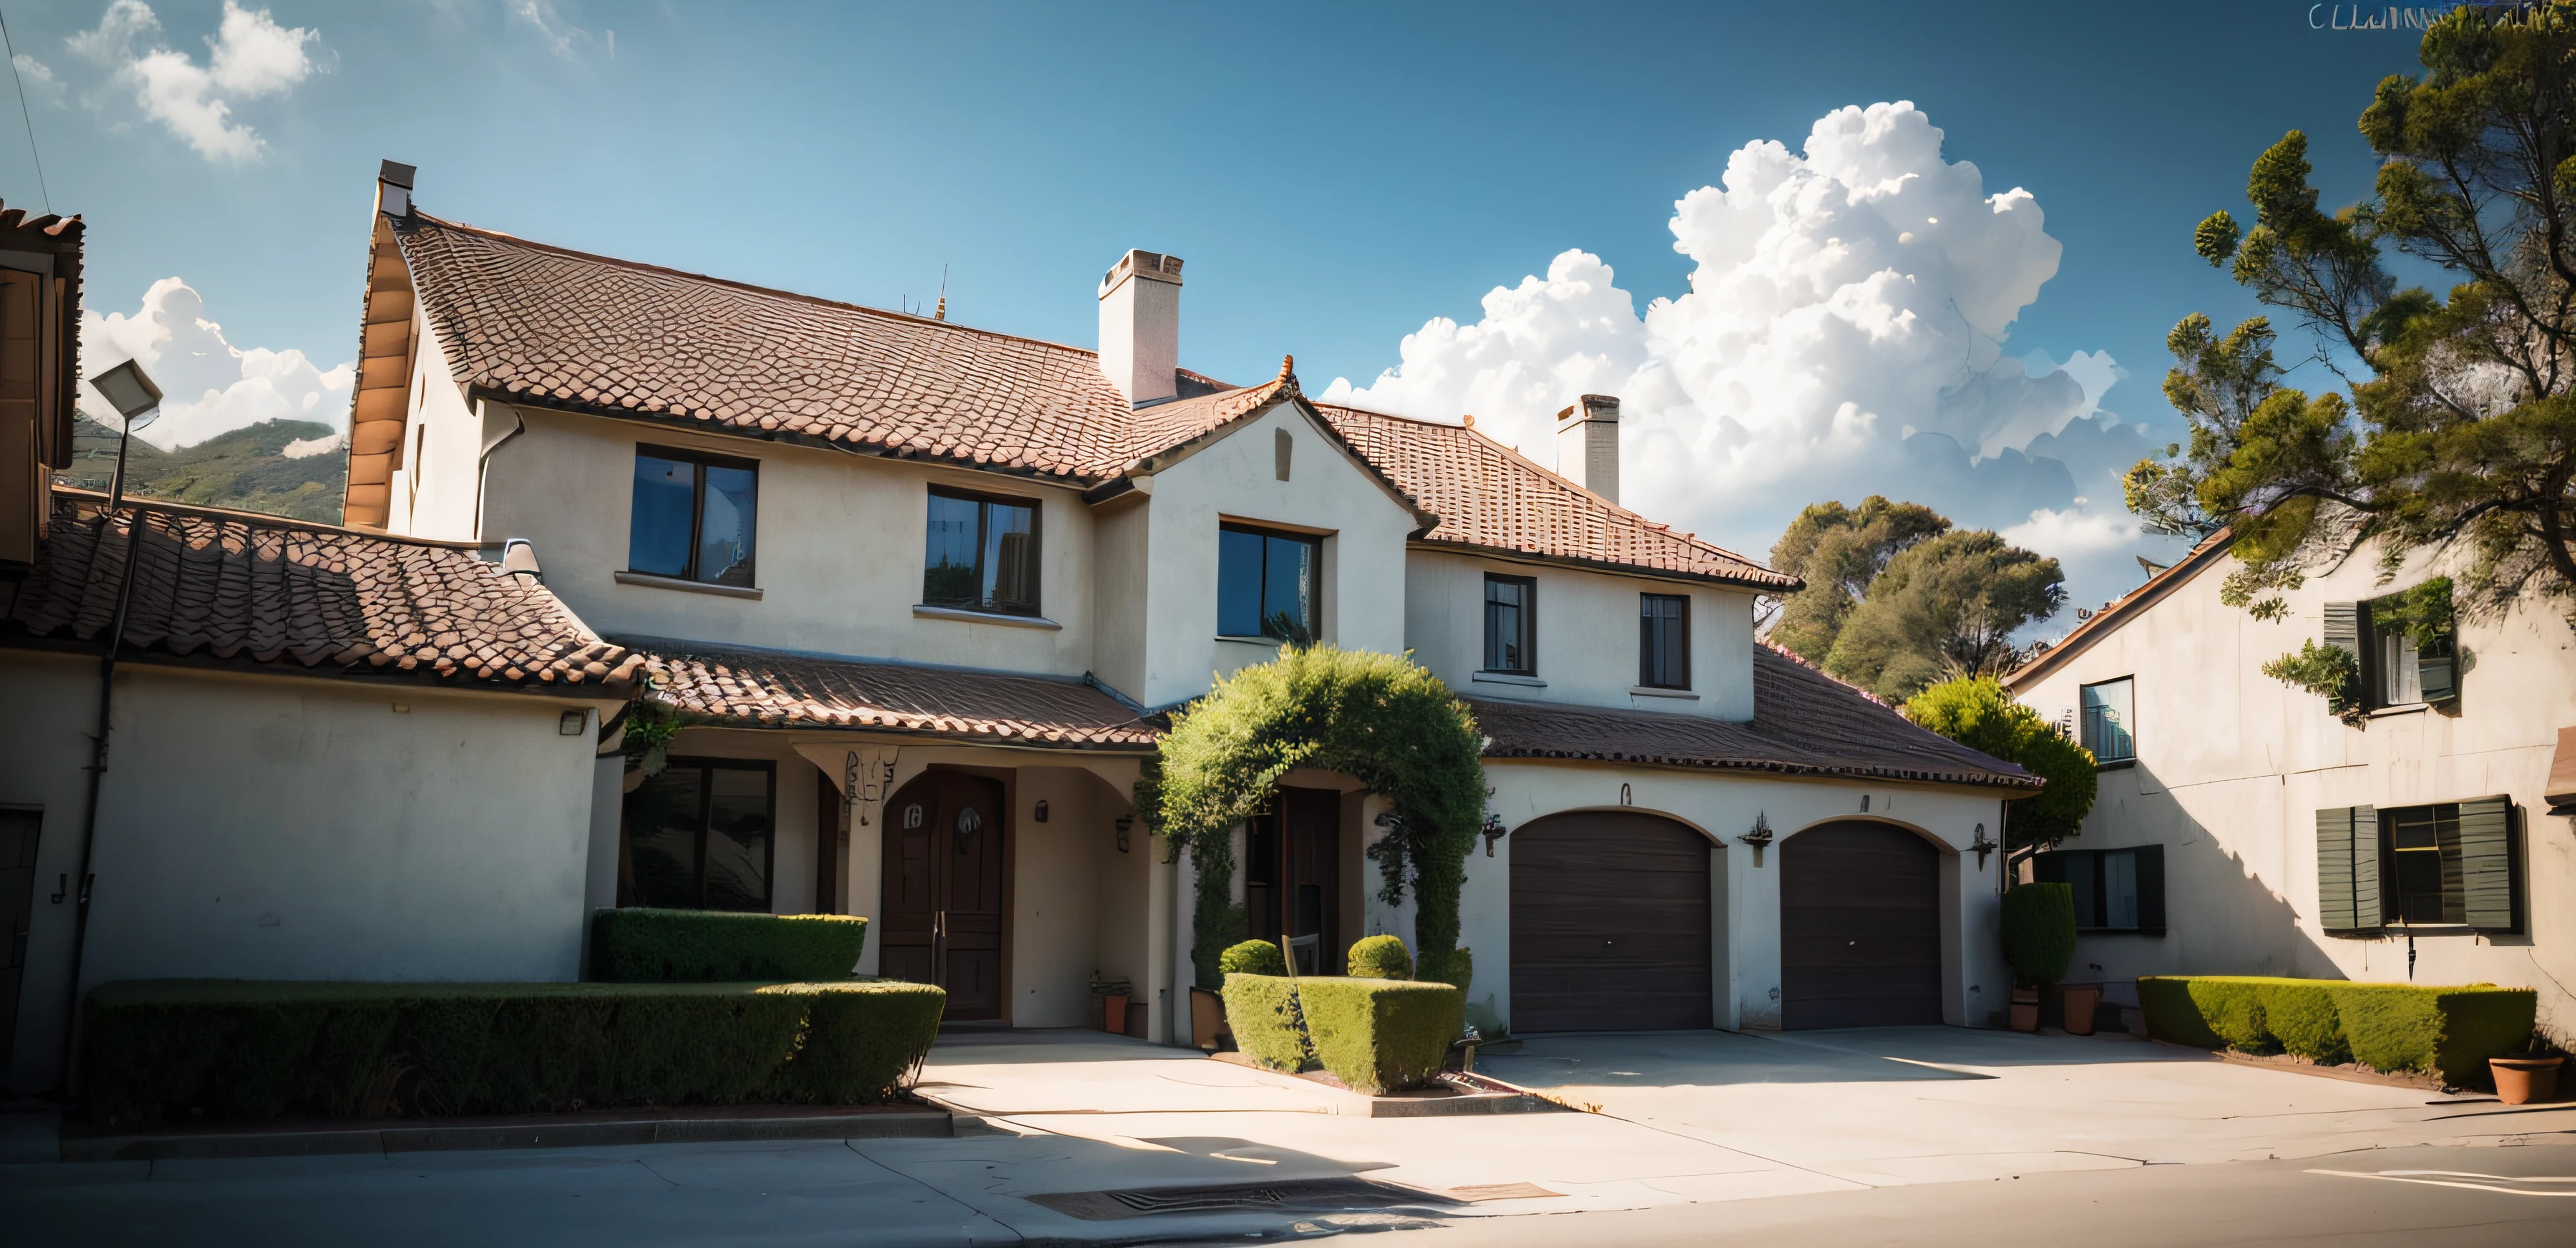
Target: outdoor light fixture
1759 836
138 403
572 723
1982 846
1493 830
1124 822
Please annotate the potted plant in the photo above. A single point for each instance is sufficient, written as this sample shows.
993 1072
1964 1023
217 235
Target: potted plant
2039 938
2531 1075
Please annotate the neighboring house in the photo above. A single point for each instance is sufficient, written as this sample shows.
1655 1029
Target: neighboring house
2249 827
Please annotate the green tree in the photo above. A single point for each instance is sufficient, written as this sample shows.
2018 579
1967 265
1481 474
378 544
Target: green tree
1978 712
2460 429
1838 551
1944 606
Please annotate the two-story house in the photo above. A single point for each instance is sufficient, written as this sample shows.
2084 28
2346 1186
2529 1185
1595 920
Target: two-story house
2409 827
920 592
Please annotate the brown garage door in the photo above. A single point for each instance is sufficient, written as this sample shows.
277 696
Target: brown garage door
1610 924
1860 927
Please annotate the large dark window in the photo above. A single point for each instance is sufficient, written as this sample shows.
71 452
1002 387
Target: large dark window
1266 584
1663 641
2454 863
982 554
1511 625
694 516
701 836
2116 890
2110 721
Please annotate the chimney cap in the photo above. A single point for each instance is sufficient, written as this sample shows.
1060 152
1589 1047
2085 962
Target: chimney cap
1590 407
519 558
1139 262
398 174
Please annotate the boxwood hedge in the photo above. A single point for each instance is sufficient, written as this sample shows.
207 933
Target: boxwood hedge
641 945
1375 1035
2448 1031
246 1049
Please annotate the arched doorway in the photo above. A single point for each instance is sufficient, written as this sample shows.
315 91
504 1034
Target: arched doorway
1610 924
1860 927
941 921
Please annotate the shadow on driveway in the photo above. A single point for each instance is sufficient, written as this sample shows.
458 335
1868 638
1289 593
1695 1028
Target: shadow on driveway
1858 1055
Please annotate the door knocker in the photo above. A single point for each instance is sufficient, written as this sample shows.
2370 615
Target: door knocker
912 816
967 824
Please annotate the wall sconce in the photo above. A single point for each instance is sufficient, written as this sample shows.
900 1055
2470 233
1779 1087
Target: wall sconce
1982 846
1623 796
1042 810
1759 836
1493 830
1124 822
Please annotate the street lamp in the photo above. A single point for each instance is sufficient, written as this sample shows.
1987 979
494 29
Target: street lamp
138 403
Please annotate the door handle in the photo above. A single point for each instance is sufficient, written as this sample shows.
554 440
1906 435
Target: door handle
938 925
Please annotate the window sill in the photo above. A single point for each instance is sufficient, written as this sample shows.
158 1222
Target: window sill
2395 931
1270 642
1508 678
2120 931
1652 691
694 587
2410 708
2117 764
923 610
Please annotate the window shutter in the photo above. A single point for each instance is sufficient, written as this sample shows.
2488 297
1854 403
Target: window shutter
2343 632
2440 673
2348 868
2151 888
2486 862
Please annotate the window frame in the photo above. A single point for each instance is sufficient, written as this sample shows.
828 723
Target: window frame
700 461
985 501
2084 734
2056 865
706 806
2451 873
1646 654
1528 609
1314 542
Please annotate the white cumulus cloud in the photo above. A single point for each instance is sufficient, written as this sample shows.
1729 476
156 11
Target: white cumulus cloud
1842 335
208 385
248 57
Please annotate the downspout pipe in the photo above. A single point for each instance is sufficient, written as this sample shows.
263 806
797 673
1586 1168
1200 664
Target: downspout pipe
97 774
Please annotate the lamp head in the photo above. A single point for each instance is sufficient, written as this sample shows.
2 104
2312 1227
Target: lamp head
136 399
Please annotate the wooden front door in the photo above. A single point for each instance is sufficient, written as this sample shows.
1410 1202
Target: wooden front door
1292 877
942 917
1610 925
1860 927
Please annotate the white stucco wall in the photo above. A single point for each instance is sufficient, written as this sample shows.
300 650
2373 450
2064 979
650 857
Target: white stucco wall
1587 634
274 827
434 492
2233 765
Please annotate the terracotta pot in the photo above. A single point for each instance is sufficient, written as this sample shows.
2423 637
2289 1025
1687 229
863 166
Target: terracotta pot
1207 1014
1113 1014
2075 1005
2025 1015
2522 1080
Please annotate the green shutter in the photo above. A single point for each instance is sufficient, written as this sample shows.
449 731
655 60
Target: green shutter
2343 632
2486 862
2365 869
2151 888
2348 868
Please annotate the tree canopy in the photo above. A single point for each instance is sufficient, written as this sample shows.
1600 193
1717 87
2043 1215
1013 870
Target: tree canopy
1978 712
1838 551
2460 427
1897 599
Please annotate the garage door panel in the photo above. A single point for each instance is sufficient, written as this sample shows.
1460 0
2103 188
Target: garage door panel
1860 927
1610 924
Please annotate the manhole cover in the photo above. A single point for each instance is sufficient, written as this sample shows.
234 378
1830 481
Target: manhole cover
1301 1196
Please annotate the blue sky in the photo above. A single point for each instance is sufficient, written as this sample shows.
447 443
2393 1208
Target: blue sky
1335 175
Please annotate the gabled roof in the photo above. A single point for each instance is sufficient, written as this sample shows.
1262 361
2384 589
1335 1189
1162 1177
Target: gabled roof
784 689
284 594
2120 610
1804 723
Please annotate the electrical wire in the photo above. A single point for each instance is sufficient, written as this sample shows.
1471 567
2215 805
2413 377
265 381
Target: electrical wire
25 116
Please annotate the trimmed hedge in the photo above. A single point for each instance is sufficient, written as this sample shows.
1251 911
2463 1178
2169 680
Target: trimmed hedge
2039 932
2448 1031
640 945
248 1049
1379 1035
1455 969
1252 957
1261 1011
1381 957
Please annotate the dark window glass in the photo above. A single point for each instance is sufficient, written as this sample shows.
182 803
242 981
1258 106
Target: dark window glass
698 837
981 554
2420 866
695 516
2109 721
2116 890
1511 605
1663 641
1266 584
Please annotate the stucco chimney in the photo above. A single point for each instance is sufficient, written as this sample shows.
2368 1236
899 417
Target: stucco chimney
1140 326
1587 444
393 188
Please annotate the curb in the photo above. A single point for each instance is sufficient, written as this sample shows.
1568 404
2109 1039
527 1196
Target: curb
199 1145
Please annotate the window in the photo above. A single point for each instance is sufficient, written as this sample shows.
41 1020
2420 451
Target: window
699 837
1511 625
694 516
2404 646
2116 890
1266 584
2108 722
982 554
1663 641
2452 863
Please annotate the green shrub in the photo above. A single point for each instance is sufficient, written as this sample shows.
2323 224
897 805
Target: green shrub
1454 970
1380 1035
1381 957
244 1049
1252 957
2039 931
639 945
1261 1011
2447 1031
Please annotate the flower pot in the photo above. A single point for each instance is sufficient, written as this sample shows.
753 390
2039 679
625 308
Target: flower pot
1113 1013
1207 1016
2075 1005
2522 1080
2025 1009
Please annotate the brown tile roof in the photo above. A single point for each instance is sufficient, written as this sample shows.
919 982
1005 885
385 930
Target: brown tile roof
2118 611
783 689
1489 496
261 590
1804 723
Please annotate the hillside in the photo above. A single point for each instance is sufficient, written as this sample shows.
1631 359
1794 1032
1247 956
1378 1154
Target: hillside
246 469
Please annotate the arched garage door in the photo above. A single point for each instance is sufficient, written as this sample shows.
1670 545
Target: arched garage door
1610 924
1860 927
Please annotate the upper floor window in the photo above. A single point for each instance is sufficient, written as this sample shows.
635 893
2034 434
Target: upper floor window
1511 625
2404 646
1266 584
2109 722
982 553
694 516
1663 641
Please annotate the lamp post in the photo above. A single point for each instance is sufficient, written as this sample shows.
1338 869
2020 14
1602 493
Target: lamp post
138 403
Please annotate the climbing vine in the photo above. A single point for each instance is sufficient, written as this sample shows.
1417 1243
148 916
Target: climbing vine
1378 718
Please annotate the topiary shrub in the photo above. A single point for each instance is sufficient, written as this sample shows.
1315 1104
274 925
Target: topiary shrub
1261 1010
1380 957
2446 1031
1252 957
2039 932
1454 969
641 945
1381 1035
